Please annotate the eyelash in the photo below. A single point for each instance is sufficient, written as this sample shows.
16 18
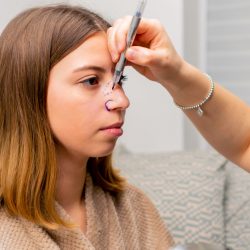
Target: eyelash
91 81
96 80
123 79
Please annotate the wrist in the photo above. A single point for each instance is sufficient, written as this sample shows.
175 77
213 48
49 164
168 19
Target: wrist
198 107
189 86
180 79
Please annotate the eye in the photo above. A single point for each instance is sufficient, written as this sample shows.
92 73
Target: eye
122 80
91 81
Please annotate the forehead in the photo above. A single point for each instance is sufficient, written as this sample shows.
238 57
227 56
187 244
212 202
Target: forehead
93 51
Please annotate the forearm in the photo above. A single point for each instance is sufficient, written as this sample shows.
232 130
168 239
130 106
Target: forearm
226 120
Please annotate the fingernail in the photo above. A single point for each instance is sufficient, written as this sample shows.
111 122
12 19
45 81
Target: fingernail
114 57
120 47
131 54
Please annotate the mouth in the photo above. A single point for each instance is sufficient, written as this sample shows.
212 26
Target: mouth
114 129
115 125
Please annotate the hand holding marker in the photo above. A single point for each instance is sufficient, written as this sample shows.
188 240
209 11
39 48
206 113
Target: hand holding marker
130 38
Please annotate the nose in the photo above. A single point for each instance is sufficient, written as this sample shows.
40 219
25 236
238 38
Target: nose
117 99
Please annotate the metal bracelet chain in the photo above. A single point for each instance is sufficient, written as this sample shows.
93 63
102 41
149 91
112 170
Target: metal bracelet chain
198 106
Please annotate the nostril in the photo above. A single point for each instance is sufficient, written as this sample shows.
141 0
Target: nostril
107 105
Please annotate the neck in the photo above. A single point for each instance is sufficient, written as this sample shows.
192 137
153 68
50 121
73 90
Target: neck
70 180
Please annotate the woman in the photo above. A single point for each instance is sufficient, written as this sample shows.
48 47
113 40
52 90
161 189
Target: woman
60 120
224 120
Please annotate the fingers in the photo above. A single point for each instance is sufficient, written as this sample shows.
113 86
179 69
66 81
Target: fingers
141 56
117 37
149 27
147 33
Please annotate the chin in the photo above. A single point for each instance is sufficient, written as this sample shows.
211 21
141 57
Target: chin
104 151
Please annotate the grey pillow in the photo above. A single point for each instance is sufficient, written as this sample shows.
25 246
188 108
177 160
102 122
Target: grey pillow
237 208
186 187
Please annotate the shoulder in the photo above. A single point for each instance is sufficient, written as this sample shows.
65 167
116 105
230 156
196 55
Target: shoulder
135 200
141 204
18 233
8 224
136 195
12 234
137 207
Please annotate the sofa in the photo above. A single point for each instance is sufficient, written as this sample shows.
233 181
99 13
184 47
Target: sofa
202 197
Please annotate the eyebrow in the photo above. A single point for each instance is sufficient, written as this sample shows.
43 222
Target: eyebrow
90 67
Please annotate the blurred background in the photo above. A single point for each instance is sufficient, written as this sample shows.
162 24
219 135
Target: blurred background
211 34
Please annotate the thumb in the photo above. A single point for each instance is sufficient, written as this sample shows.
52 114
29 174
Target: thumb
140 55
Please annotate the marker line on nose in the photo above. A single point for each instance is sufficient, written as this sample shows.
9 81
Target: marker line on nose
106 105
107 88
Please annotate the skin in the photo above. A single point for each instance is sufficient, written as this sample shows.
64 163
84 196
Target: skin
77 116
226 120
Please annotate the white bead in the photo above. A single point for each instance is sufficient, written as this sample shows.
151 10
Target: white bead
200 111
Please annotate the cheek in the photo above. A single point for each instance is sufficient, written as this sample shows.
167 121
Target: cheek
73 115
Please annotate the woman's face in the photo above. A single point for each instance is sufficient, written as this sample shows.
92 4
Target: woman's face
77 92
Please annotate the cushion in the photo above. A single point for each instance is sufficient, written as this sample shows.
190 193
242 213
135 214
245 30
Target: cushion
237 208
186 187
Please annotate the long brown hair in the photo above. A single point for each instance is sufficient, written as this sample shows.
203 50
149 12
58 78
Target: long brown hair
31 44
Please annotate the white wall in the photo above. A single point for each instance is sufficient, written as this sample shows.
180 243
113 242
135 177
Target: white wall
8 9
228 54
152 123
195 52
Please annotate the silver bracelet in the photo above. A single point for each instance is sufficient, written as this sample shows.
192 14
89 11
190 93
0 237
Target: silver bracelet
198 106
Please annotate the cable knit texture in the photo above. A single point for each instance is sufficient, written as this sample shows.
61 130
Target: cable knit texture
126 221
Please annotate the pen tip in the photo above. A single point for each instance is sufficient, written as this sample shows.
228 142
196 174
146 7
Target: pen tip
115 80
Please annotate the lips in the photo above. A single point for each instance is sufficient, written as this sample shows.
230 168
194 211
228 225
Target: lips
114 129
115 125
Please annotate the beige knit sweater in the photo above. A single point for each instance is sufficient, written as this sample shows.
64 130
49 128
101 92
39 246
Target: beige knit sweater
129 222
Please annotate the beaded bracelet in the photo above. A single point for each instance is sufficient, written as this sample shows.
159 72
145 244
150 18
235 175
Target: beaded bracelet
198 106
